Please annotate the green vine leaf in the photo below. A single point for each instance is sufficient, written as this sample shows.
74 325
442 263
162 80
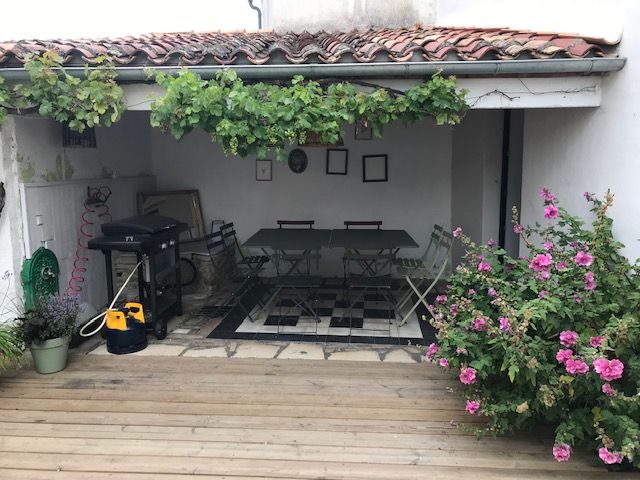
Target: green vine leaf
259 118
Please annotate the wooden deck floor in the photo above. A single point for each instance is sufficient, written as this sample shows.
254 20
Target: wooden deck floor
163 418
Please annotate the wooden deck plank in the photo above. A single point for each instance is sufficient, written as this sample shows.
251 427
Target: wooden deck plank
138 418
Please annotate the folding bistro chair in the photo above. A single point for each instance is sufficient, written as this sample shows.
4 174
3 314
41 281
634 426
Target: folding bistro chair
357 285
242 297
430 268
247 265
294 262
367 262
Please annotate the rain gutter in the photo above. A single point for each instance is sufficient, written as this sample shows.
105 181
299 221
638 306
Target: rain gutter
568 66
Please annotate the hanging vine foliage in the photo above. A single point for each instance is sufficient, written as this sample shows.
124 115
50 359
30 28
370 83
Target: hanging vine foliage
92 101
263 117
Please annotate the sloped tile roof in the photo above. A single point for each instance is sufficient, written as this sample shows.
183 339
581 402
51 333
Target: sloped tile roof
417 43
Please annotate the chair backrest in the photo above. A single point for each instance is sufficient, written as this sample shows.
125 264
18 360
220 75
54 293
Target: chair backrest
215 243
438 252
361 223
230 239
296 223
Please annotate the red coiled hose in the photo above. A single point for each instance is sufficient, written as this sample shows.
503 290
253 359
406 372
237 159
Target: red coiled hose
95 203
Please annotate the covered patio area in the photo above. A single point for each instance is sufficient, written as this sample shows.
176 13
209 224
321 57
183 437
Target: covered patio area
143 418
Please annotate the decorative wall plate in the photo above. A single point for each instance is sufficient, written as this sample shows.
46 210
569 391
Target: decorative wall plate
298 160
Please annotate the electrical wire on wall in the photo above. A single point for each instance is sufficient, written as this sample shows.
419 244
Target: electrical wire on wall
96 209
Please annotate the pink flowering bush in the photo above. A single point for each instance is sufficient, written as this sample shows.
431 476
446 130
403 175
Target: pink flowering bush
549 338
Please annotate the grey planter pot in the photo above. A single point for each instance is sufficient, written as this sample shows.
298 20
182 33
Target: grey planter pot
50 356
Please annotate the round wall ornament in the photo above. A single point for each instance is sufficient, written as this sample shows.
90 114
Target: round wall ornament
298 160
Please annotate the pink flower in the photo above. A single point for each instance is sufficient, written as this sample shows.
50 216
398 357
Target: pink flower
491 243
542 293
467 375
492 292
583 259
562 452
608 369
577 299
596 341
563 355
575 366
461 351
546 195
541 262
505 324
550 211
443 362
568 338
588 196
441 298
608 390
518 229
479 324
471 292
457 232
453 309
472 406
545 275
484 266
609 457
548 246
561 265
432 350
589 281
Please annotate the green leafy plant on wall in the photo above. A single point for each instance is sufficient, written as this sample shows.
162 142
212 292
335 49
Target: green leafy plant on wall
93 101
63 171
263 117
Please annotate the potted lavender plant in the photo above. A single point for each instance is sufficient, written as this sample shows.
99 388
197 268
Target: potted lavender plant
47 331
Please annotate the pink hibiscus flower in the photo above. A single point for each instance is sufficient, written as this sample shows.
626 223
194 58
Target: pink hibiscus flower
608 390
550 212
467 375
589 281
505 324
441 298
443 362
595 342
547 245
608 369
479 324
568 338
562 452
583 259
546 195
471 292
492 292
432 350
457 232
575 366
484 266
472 406
541 262
518 229
609 457
563 355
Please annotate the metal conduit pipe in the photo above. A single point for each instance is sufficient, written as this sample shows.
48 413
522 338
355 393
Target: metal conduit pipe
566 66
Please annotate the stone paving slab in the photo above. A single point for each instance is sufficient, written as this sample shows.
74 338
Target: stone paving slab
256 350
303 351
356 355
217 352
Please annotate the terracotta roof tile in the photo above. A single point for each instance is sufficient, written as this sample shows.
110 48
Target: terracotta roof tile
397 44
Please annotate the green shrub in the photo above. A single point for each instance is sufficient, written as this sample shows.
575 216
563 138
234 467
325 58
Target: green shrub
549 338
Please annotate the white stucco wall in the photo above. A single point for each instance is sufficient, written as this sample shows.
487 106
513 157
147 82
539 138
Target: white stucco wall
577 150
297 16
31 148
417 195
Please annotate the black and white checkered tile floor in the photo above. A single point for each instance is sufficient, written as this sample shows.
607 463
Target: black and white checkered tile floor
371 319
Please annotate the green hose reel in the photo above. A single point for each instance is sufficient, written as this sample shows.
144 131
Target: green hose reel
39 277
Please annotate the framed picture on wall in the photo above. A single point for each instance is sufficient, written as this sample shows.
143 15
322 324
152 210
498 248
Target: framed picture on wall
363 130
374 168
337 161
263 170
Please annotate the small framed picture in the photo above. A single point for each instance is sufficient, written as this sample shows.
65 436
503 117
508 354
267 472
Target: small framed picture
363 130
374 168
337 161
263 170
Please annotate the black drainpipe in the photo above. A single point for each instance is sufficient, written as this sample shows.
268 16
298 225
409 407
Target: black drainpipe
504 178
251 5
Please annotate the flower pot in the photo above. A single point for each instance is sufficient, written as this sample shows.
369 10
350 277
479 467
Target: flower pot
50 356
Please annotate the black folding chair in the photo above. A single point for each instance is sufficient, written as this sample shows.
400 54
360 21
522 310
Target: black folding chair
296 223
370 263
247 265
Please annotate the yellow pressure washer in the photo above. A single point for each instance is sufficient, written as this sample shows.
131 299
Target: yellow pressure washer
125 328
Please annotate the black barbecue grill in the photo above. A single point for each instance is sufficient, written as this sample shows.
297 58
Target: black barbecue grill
154 239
